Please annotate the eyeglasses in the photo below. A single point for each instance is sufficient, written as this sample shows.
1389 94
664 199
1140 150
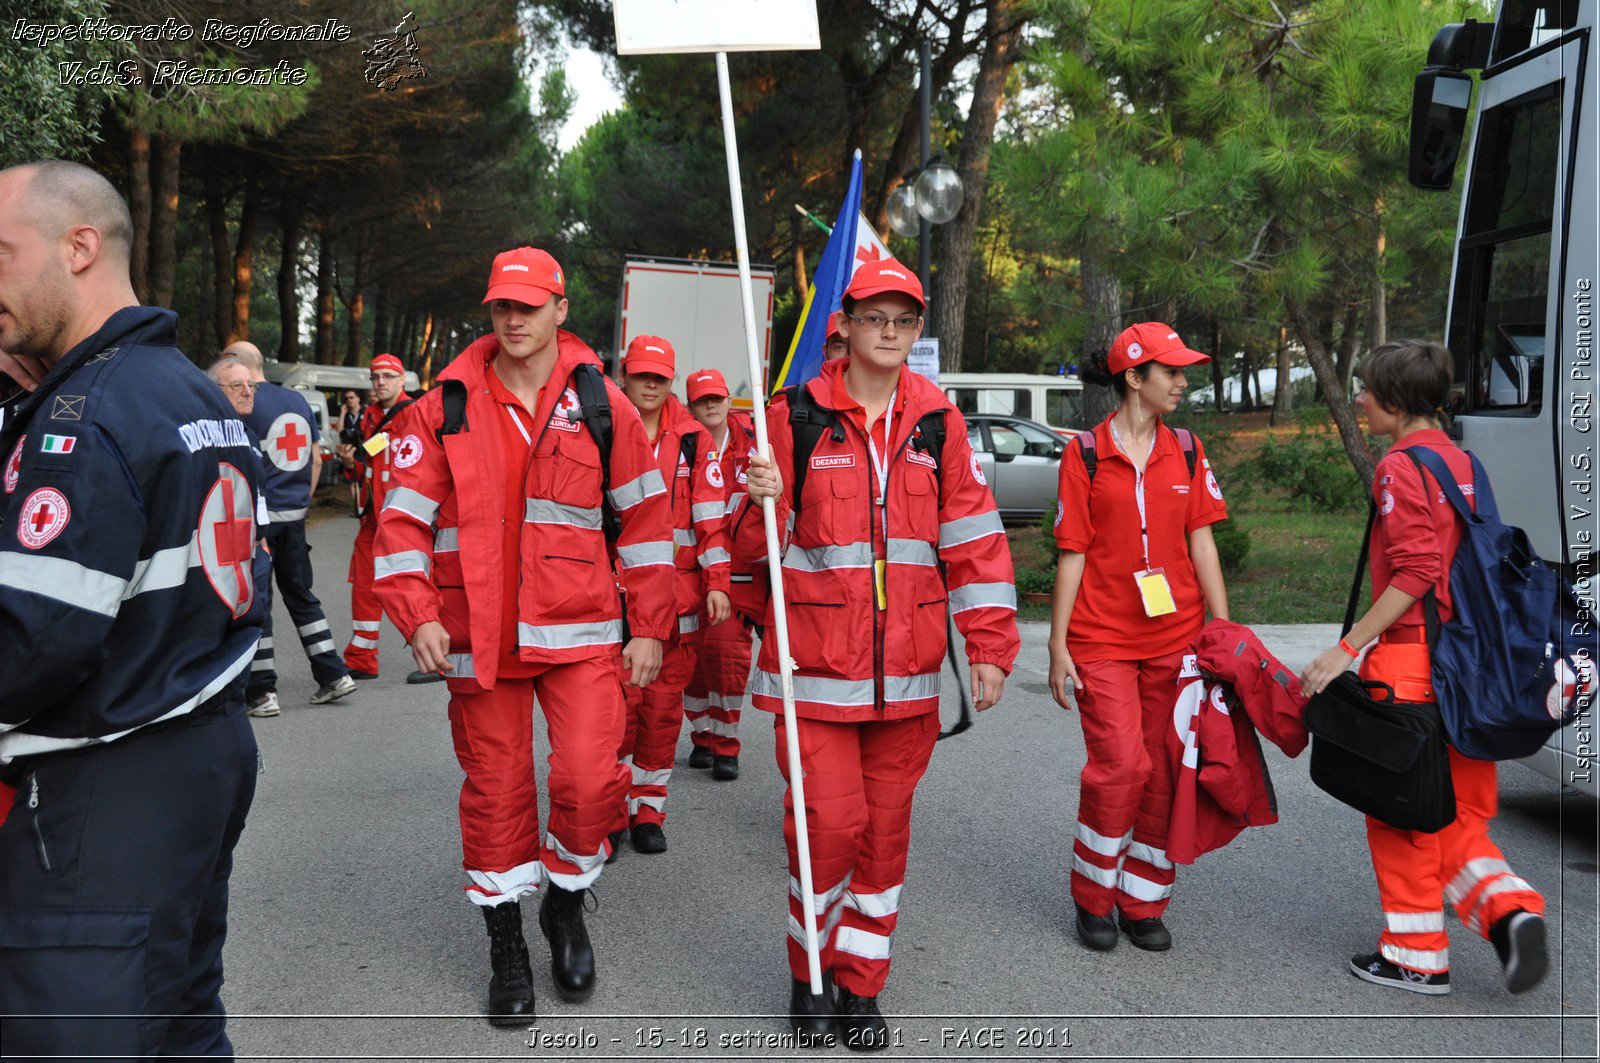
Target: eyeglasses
241 388
876 321
384 377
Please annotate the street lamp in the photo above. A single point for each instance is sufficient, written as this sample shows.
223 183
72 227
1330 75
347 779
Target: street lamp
904 218
938 192
930 194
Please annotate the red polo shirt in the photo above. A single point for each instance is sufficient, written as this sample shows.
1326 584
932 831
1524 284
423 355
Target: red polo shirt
1101 521
517 434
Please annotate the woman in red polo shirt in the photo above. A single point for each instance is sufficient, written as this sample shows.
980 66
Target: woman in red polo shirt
1137 572
1404 385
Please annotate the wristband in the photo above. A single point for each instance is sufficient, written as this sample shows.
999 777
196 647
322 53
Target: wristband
1346 647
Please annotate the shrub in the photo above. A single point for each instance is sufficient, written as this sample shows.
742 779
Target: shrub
1315 471
1233 545
1036 581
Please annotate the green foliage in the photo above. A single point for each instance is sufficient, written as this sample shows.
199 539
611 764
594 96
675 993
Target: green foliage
41 118
1036 581
1311 468
1233 545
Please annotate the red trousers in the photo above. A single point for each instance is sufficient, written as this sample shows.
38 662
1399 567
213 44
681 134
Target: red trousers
859 781
649 744
1119 857
1418 873
366 615
502 851
714 698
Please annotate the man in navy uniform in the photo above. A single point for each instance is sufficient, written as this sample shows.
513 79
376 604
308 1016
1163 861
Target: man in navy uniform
281 418
128 620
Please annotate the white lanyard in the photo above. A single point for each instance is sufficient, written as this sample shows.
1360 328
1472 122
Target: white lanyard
1138 486
880 466
518 422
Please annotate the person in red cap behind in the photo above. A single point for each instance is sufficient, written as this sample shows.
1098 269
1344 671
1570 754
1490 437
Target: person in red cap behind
833 344
494 561
1137 571
371 462
714 699
694 482
895 530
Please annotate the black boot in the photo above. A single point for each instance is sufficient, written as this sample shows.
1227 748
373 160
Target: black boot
812 1016
1097 932
511 984
861 1024
700 757
724 769
617 837
571 956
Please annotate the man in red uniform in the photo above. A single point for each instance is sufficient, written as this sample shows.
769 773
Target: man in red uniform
684 458
372 462
493 559
714 698
889 540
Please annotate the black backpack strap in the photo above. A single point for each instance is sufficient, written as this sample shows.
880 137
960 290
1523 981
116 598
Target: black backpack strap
594 410
929 439
1186 443
808 423
689 448
1361 570
455 409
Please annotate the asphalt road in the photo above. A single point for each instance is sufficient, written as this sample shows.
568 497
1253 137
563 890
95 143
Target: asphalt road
350 937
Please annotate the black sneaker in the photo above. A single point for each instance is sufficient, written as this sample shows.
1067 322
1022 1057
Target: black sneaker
861 1025
419 676
1151 935
812 1017
649 838
1097 932
1519 939
362 677
700 757
724 769
1379 971
617 837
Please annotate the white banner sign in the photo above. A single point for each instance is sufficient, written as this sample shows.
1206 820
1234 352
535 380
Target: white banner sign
925 359
645 27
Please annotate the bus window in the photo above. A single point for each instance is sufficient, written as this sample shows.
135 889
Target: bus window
1503 276
1009 402
1527 24
1063 408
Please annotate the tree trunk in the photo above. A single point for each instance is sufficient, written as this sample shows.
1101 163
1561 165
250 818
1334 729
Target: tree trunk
244 255
1348 343
164 221
139 206
356 310
1003 28
221 284
380 321
802 282
325 315
425 353
1219 379
1355 444
289 289
1283 394
1102 301
1246 371
1378 333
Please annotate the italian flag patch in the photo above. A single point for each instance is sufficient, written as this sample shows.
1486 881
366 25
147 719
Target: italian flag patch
58 444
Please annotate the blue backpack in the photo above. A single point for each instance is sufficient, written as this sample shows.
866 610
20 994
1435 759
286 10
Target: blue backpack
1516 661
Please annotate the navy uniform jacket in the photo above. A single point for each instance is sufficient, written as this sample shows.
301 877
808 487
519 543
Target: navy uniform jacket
128 527
283 420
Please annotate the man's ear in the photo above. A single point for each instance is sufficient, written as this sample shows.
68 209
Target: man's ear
83 247
561 311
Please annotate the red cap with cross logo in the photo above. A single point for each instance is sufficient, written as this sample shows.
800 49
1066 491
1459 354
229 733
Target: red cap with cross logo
525 275
1150 341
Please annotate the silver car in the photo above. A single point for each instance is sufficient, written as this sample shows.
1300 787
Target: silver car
1021 459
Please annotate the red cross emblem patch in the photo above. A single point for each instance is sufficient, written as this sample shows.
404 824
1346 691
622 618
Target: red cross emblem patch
288 443
14 466
566 414
227 538
407 452
44 516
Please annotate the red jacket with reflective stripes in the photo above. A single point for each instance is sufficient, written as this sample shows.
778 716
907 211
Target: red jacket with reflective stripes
699 508
848 667
438 550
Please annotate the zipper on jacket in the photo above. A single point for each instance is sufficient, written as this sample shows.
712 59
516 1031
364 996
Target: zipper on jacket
38 830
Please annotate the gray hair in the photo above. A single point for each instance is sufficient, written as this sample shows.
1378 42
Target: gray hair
225 362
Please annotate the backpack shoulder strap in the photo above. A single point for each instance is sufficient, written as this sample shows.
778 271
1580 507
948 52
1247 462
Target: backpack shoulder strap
1186 443
808 423
594 410
929 438
689 447
1086 445
455 409
1434 463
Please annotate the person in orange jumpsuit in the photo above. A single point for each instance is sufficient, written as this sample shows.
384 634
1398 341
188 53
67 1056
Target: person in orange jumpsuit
1404 386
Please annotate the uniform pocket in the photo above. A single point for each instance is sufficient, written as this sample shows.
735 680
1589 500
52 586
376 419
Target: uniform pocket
921 516
575 471
82 962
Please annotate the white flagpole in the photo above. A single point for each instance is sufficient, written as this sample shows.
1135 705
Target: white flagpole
780 620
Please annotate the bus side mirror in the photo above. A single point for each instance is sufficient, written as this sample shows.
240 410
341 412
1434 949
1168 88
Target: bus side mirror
1440 101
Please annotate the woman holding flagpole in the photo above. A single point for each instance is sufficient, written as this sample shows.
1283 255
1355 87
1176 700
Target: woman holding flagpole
894 529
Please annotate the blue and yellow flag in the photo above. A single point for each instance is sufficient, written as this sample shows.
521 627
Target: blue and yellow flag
852 242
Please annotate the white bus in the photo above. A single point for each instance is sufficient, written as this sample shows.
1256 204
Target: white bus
1056 401
1527 261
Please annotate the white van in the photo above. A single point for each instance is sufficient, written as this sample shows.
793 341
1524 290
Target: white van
1056 401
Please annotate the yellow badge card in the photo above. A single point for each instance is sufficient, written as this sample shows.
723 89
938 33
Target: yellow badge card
376 445
880 569
1155 592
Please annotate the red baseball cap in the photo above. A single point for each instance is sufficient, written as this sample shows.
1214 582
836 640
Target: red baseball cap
833 327
389 362
885 275
705 382
526 275
1150 341
650 354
